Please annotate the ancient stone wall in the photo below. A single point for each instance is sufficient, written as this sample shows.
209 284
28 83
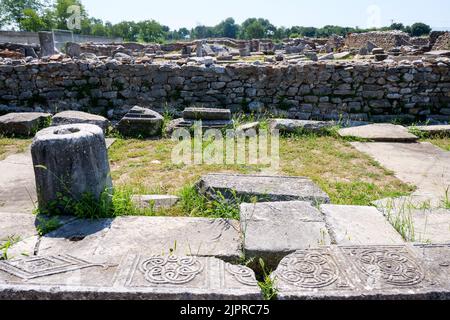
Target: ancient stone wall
385 40
443 42
360 91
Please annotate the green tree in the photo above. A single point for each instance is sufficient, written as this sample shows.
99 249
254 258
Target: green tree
32 21
12 12
420 29
151 31
227 28
397 26
202 32
62 14
128 30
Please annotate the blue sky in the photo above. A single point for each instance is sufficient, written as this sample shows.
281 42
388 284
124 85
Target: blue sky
190 13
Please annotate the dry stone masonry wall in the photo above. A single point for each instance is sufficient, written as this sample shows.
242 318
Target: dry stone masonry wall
385 40
318 90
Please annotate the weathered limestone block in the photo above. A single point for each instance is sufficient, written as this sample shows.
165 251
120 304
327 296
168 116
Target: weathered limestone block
206 114
74 117
73 49
293 126
141 122
155 201
23 124
272 230
47 44
358 225
263 188
72 161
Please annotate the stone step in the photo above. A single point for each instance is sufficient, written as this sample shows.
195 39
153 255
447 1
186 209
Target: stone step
365 272
379 132
273 230
263 188
135 276
358 225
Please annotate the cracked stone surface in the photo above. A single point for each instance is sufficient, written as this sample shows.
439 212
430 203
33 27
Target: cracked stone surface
358 225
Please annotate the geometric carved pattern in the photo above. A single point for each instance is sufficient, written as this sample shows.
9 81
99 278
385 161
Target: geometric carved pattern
242 274
390 265
308 269
170 269
38 267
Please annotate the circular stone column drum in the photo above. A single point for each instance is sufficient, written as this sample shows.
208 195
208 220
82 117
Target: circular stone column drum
71 161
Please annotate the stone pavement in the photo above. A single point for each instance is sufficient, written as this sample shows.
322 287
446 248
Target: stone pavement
420 164
17 185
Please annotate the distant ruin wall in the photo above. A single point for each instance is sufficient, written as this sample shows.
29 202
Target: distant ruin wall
443 42
360 91
19 37
385 40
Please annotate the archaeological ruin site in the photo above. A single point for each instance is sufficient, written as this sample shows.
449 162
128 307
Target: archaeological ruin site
352 202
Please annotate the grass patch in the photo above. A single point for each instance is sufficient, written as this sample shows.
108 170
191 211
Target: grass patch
46 225
348 176
4 247
267 285
10 146
197 205
446 201
441 142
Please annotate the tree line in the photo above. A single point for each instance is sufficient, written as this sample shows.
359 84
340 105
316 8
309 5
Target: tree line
41 15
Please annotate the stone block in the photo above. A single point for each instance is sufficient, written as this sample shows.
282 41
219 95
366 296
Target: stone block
155 201
109 238
141 122
206 114
263 188
76 117
23 123
296 126
381 132
272 230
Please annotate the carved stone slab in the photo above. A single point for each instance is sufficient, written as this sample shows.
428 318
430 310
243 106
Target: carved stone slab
364 272
136 277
